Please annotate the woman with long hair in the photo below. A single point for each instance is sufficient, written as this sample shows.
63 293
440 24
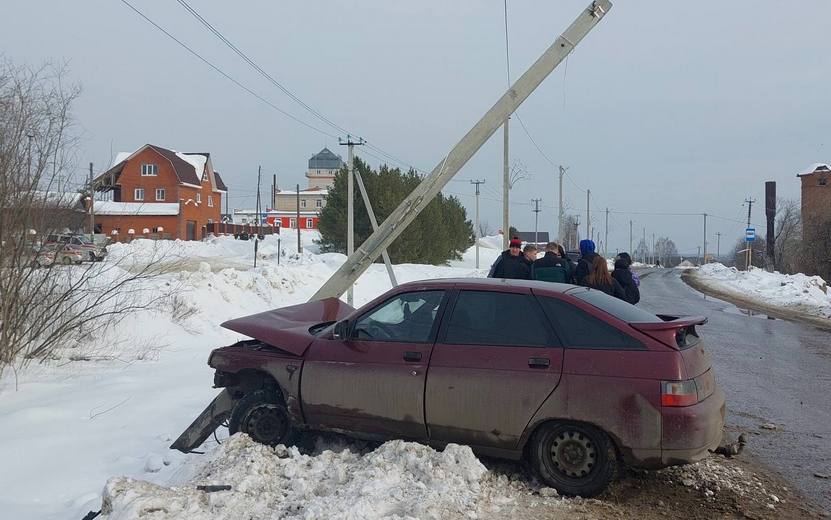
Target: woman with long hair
600 279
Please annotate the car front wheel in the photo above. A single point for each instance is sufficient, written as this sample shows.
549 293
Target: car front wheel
573 458
263 416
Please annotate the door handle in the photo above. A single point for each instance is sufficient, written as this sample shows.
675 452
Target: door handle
539 362
409 355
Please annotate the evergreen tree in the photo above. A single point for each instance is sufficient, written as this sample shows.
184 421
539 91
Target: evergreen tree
441 232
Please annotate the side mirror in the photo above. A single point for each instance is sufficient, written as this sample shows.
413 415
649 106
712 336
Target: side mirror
341 330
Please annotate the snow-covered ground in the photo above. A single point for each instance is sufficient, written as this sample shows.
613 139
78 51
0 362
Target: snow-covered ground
797 292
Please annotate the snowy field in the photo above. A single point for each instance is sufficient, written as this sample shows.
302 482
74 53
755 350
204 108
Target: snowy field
798 292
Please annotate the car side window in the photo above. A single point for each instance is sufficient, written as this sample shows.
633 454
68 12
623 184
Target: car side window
497 319
579 329
406 317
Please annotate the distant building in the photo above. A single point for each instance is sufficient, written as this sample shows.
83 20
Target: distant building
169 194
321 176
816 193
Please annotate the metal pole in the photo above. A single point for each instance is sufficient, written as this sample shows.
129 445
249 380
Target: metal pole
606 236
374 223
274 191
536 211
588 215
297 219
631 252
459 155
653 249
91 207
643 254
718 246
705 238
476 231
560 230
506 187
350 215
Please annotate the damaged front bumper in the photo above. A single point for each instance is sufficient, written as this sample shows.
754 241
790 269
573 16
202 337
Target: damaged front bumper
206 423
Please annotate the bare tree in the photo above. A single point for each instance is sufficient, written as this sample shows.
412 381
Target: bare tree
787 236
641 252
517 173
485 229
665 251
815 256
44 308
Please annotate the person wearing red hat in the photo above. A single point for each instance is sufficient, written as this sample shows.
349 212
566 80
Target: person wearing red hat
511 263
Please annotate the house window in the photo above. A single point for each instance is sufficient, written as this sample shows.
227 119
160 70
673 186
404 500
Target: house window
198 198
149 170
159 194
823 181
319 203
292 223
309 223
302 203
210 201
138 194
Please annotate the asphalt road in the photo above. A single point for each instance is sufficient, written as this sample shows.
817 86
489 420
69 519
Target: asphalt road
773 371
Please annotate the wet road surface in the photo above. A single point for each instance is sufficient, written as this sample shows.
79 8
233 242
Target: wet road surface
773 371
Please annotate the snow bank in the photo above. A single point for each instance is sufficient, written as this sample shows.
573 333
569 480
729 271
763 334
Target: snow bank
794 291
397 480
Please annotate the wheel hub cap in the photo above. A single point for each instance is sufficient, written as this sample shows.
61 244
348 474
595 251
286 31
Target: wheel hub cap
573 454
266 425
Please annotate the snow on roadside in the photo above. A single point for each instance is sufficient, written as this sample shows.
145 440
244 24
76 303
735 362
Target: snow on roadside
791 291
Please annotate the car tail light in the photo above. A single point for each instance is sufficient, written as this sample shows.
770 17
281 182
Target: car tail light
679 393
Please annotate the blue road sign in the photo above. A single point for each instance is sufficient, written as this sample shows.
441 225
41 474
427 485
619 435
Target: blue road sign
750 234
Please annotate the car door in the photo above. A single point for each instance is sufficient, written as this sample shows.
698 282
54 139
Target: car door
374 380
495 363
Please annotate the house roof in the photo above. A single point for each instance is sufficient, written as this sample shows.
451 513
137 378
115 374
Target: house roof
220 184
185 165
325 160
815 168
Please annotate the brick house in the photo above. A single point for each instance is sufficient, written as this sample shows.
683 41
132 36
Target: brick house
171 194
816 193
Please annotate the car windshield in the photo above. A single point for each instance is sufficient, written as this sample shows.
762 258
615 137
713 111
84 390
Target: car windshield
614 306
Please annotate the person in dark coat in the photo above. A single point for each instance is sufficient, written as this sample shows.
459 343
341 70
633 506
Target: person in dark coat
600 279
552 267
584 264
635 276
511 263
624 277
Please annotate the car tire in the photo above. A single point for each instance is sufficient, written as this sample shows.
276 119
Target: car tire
262 415
574 458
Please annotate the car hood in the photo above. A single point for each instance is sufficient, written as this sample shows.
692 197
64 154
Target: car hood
287 328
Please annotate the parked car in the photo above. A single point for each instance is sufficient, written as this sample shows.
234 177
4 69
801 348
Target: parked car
89 251
568 378
46 256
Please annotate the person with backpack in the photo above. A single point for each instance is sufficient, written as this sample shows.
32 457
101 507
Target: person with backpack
584 264
511 263
635 276
552 267
625 278
600 279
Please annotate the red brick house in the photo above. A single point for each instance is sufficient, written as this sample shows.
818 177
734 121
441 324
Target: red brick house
816 192
168 193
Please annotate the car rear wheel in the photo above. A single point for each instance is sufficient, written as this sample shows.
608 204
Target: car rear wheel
263 417
573 458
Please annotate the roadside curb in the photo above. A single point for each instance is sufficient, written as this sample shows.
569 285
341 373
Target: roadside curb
691 278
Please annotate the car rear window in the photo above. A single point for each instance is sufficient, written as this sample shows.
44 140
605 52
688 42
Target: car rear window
579 329
615 306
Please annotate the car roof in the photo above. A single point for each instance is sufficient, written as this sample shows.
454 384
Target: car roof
491 284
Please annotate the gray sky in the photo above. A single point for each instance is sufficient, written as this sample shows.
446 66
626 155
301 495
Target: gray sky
666 107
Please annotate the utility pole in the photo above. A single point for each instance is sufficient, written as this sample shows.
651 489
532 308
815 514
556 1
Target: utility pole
257 211
350 203
297 220
749 252
374 223
536 210
699 255
588 215
91 206
718 245
506 186
476 230
643 259
652 256
606 235
560 230
274 192
576 233
705 238
631 251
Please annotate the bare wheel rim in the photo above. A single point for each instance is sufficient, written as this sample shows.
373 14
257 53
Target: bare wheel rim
265 424
573 454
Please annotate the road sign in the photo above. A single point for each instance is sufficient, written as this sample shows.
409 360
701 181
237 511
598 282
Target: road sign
750 234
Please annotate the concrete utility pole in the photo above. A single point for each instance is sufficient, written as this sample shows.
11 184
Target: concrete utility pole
652 256
749 253
606 235
588 214
631 251
350 203
495 117
91 206
536 210
699 255
476 230
560 230
257 212
374 223
274 192
705 238
576 236
506 187
718 246
297 220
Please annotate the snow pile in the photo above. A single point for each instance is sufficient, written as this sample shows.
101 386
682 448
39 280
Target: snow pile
397 480
794 291
710 478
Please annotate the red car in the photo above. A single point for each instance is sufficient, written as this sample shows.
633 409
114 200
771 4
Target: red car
568 378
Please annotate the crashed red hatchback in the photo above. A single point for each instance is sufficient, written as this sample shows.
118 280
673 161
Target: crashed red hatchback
568 378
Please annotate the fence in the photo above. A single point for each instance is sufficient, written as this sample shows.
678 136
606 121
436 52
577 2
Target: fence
224 228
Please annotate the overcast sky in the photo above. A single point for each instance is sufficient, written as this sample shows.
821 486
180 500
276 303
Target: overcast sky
665 107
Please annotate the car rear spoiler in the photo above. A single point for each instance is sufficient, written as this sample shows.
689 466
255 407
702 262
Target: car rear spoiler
673 331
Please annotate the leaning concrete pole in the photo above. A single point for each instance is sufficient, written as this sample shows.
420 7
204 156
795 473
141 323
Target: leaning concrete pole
411 206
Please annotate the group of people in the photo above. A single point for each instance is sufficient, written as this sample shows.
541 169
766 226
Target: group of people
590 270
